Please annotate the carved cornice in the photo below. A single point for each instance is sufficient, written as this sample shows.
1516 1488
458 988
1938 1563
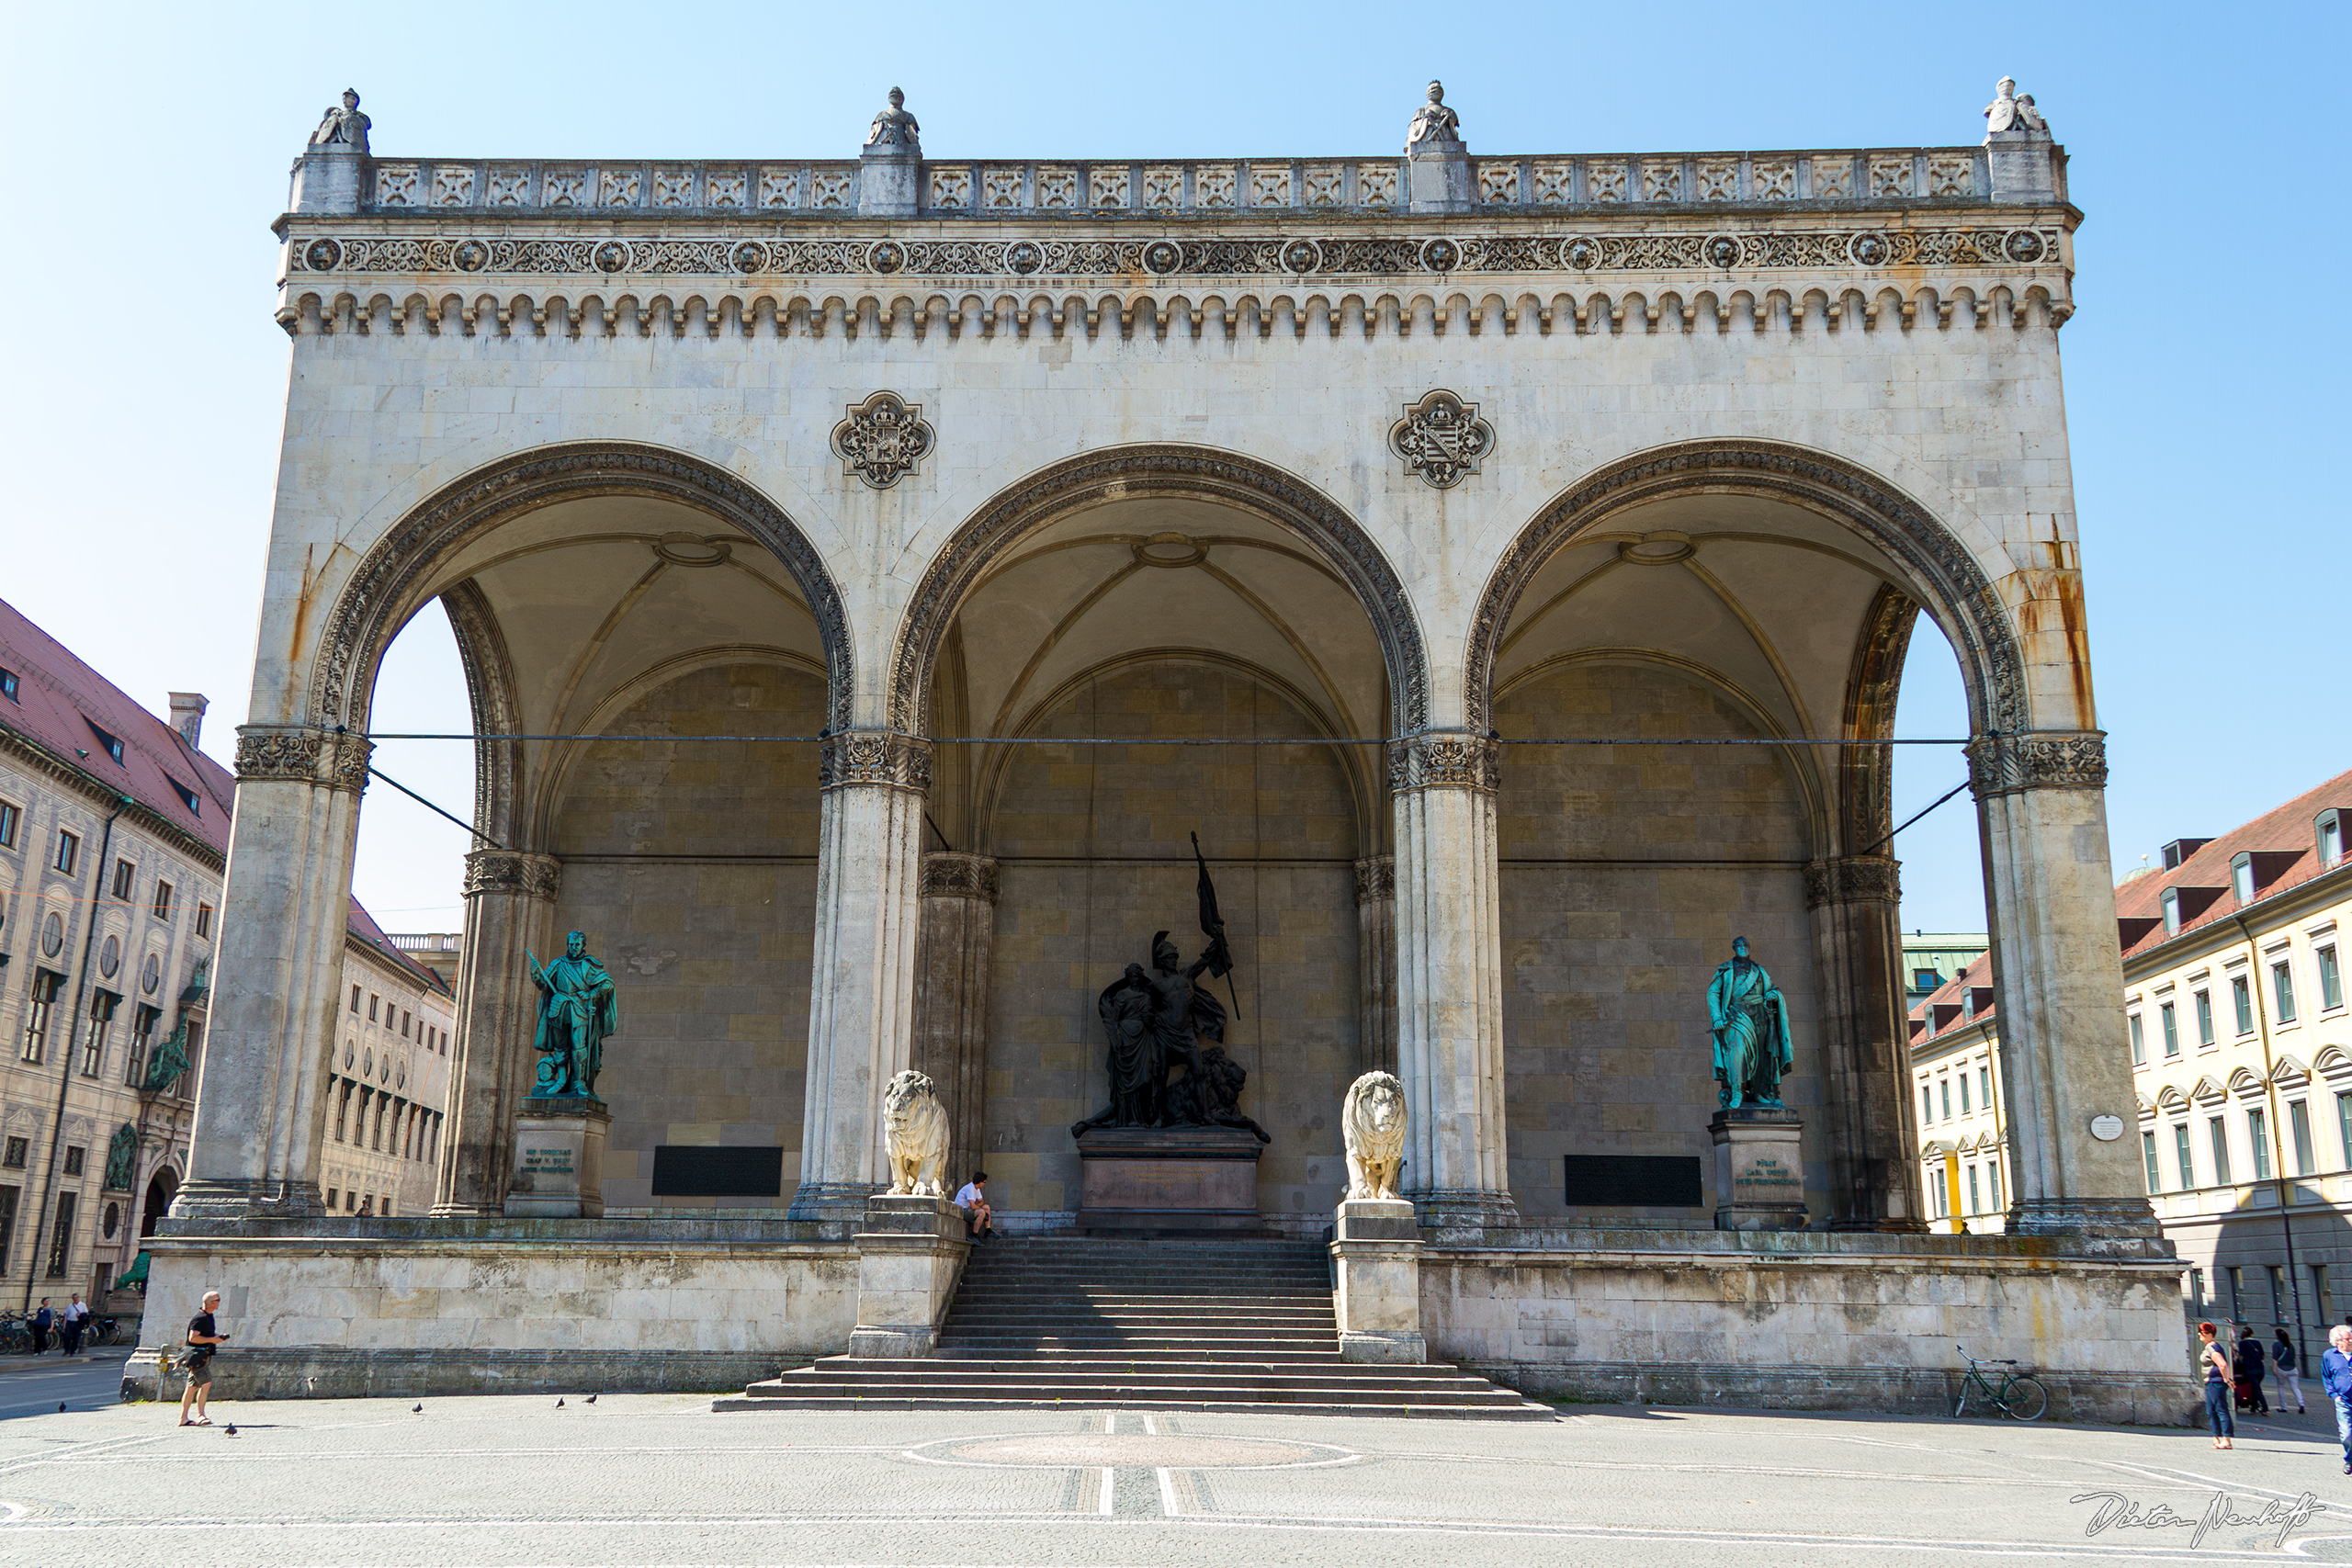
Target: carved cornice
2004 764
514 872
1853 879
874 757
1376 880
1444 762
946 875
333 758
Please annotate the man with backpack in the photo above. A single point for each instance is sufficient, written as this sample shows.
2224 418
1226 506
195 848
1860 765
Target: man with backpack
2250 1369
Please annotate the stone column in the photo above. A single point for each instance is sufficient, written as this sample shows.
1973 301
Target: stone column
2058 973
510 905
1865 1066
1449 977
1377 962
278 980
861 1006
951 1026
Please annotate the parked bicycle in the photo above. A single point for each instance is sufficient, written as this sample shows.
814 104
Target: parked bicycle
16 1334
2017 1395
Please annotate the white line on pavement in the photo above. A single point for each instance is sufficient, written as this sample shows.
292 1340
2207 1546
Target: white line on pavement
1110 1478
1168 1495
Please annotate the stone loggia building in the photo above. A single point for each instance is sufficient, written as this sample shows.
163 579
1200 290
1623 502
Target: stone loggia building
869 571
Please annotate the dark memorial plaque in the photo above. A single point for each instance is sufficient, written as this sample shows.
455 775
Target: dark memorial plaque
1647 1181
724 1170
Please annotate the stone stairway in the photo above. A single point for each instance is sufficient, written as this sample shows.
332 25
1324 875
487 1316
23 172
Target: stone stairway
1223 1324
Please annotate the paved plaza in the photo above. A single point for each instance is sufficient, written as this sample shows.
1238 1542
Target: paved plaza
660 1479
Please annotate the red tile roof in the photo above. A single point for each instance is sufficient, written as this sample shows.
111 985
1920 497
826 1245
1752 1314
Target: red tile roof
1952 993
59 698
365 929
2286 852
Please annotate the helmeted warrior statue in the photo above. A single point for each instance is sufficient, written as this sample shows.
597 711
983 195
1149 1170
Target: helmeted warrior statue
1433 124
894 129
1751 1028
344 125
577 1011
2007 111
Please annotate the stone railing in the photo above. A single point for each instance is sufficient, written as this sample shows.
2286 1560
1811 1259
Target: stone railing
1194 187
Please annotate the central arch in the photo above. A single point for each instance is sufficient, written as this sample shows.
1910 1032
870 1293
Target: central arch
1151 472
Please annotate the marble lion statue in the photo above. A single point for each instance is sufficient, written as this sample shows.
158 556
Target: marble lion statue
1373 1121
914 1132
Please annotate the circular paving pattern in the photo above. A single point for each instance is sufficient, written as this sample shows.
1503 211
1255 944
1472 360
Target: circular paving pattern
1162 1450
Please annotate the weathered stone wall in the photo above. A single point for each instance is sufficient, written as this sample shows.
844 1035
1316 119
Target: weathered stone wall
1626 872
692 867
1093 858
1813 1321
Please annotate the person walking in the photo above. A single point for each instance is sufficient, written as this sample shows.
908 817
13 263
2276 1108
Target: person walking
76 1322
203 1341
2251 1367
2285 1372
43 1321
2335 1382
2216 1362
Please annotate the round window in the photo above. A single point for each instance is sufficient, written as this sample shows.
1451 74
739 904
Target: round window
110 956
401 1082
53 934
150 975
368 1067
114 1219
350 1054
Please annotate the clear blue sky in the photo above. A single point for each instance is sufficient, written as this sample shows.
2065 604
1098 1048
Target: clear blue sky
145 151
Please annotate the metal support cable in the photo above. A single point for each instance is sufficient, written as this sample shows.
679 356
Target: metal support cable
1252 740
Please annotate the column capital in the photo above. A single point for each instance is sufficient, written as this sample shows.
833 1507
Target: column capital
514 870
1853 879
335 758
2044 759
1446 760
1375 880
946 875
874 757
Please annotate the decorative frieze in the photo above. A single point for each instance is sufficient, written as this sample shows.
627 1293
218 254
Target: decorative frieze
883 439
2004 763
514 872
946 875
874 757
1441 438
1443 761
334 758
1376 879
1853 879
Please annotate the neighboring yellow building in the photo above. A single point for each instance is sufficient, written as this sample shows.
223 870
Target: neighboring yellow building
2241 1047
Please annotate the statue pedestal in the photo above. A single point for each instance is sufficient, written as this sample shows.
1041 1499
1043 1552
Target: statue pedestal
1377 1254
1438 178
1148 1181
910 1254
1759 1170
559 1159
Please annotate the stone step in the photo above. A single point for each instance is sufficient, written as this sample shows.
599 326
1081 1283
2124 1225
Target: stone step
1209 1315
870 1375
1338 1405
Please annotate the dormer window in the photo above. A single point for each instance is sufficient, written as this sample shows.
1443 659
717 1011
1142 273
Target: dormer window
2172 911
2331 835
113 744
8 686
2242 878
187 796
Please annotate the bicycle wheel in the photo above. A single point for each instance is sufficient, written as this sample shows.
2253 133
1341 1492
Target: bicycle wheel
2025 1399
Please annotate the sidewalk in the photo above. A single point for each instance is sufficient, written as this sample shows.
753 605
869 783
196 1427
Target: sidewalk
50 1360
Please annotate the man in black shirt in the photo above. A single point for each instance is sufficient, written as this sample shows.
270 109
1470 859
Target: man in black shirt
202 1341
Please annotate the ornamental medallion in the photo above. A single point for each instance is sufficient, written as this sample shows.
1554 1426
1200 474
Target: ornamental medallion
883 439
1441 438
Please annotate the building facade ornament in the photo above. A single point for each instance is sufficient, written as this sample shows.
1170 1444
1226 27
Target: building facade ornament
1376 879
894 130
883 439
874 757
2004 764
343 126
1853 879
514 872
1441 438
1444 761
334 758
1434 126
2013 114
946 875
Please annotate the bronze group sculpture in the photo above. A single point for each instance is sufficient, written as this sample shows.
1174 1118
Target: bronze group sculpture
1751 1028
577 1011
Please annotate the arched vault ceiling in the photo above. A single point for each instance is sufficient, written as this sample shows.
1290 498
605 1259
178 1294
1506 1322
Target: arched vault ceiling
1075 595
587 602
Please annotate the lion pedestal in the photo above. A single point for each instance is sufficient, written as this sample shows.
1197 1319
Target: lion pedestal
559 1159
1760 1169
910 1252
1377 1256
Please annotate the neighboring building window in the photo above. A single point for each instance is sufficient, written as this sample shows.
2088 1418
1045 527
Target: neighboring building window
1946 1086
2299 1127
46 985
2172 912
2180 1154
187 796
2197 1289
113 744
1963 1092
1984 1087
1924 980
374 1001
93 1044
354 998
1936 1180
8 1196
2277 1292
2282 987
433 1150
76 1158
9 817
1975 1204
2331 979
404 1022
69 849
2242 878
142 1036
2257 1133
2236 1278
2148 1153
163 905
2220 1130
60 1241
13 1155
8 686
125 875
2204 1017
1927 1106
2331 846
2241 998
2138 1040
204 920
2343 1123
2164 1015
2319 1294
331 1197
343 1111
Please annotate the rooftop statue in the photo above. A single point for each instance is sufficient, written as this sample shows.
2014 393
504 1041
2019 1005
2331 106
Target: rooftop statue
577 1011
1750 1022
343 125
1434 125
894 129
2007 111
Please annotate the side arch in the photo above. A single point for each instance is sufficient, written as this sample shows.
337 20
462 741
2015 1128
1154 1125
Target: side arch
384 590
1144 472
1944 577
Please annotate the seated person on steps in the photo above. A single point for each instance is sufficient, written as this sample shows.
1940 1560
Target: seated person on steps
974 1202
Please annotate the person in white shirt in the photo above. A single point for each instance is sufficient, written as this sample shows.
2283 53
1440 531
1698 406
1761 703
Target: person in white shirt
77 1320
974 1202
